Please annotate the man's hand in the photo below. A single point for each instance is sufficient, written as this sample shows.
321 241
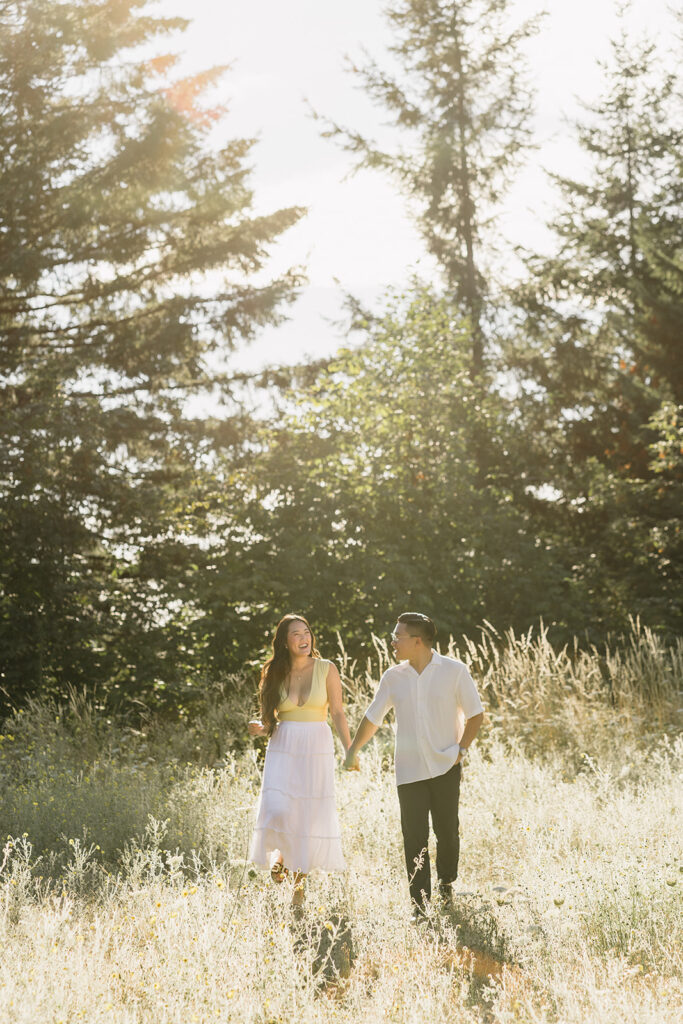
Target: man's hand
255 728
472 726
365 731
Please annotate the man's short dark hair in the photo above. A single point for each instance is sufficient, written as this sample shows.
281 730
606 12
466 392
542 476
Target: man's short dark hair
420 625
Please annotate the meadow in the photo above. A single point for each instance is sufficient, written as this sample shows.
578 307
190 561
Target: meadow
125 895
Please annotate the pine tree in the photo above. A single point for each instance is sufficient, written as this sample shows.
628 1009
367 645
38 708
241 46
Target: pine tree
599 345
127 249
463 105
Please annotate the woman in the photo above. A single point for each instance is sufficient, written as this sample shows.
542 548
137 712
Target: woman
296 823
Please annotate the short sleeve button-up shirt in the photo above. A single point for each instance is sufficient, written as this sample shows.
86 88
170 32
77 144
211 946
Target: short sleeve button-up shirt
431 709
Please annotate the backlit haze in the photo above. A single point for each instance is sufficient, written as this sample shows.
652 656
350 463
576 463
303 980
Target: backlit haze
357 236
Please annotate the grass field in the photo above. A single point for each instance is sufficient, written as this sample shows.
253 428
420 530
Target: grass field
125 894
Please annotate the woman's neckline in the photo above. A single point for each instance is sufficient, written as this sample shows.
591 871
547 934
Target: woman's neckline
310 692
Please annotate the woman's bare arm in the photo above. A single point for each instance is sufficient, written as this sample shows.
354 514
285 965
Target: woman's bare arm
334 696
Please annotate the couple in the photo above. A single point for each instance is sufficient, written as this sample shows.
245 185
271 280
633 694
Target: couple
438 714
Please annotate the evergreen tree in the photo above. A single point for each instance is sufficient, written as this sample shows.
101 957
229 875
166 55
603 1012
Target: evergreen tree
365 499
463 105
127 248
599 346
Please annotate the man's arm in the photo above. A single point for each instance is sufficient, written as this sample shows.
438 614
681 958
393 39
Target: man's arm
472 727
365 731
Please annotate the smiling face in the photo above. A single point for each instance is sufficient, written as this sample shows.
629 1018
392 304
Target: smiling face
403 641
299 640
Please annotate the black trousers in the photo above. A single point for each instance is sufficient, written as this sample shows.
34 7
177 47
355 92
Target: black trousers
438 797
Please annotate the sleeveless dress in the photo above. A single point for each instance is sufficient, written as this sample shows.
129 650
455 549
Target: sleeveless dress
296 812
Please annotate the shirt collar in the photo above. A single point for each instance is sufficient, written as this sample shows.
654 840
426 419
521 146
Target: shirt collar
436 658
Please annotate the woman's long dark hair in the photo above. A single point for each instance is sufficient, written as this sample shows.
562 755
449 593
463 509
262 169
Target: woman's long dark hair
276 669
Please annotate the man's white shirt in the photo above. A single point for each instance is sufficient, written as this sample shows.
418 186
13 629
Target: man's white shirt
431 710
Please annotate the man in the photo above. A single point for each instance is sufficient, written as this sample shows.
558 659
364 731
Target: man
438 714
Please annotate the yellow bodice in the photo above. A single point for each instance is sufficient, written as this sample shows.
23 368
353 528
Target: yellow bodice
315 708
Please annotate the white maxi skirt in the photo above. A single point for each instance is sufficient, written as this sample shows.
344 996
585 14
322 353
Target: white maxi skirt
297 813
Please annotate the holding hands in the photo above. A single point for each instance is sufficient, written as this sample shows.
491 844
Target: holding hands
255 728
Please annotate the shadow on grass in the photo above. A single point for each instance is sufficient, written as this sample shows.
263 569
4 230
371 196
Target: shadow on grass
329 943
487 950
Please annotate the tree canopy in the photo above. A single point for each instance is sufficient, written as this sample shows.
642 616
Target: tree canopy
472 452
127 250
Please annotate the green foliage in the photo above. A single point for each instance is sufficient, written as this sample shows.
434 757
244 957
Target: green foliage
366 499
597 353
128 247
147 548
73 773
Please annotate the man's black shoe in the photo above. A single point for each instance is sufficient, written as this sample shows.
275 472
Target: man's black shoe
446 895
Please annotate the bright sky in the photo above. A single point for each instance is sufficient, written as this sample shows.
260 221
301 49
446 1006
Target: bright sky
357 236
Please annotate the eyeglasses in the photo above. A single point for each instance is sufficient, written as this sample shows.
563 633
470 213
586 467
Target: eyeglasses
406 636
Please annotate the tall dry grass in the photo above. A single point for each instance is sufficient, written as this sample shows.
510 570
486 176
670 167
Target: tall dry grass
125 894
